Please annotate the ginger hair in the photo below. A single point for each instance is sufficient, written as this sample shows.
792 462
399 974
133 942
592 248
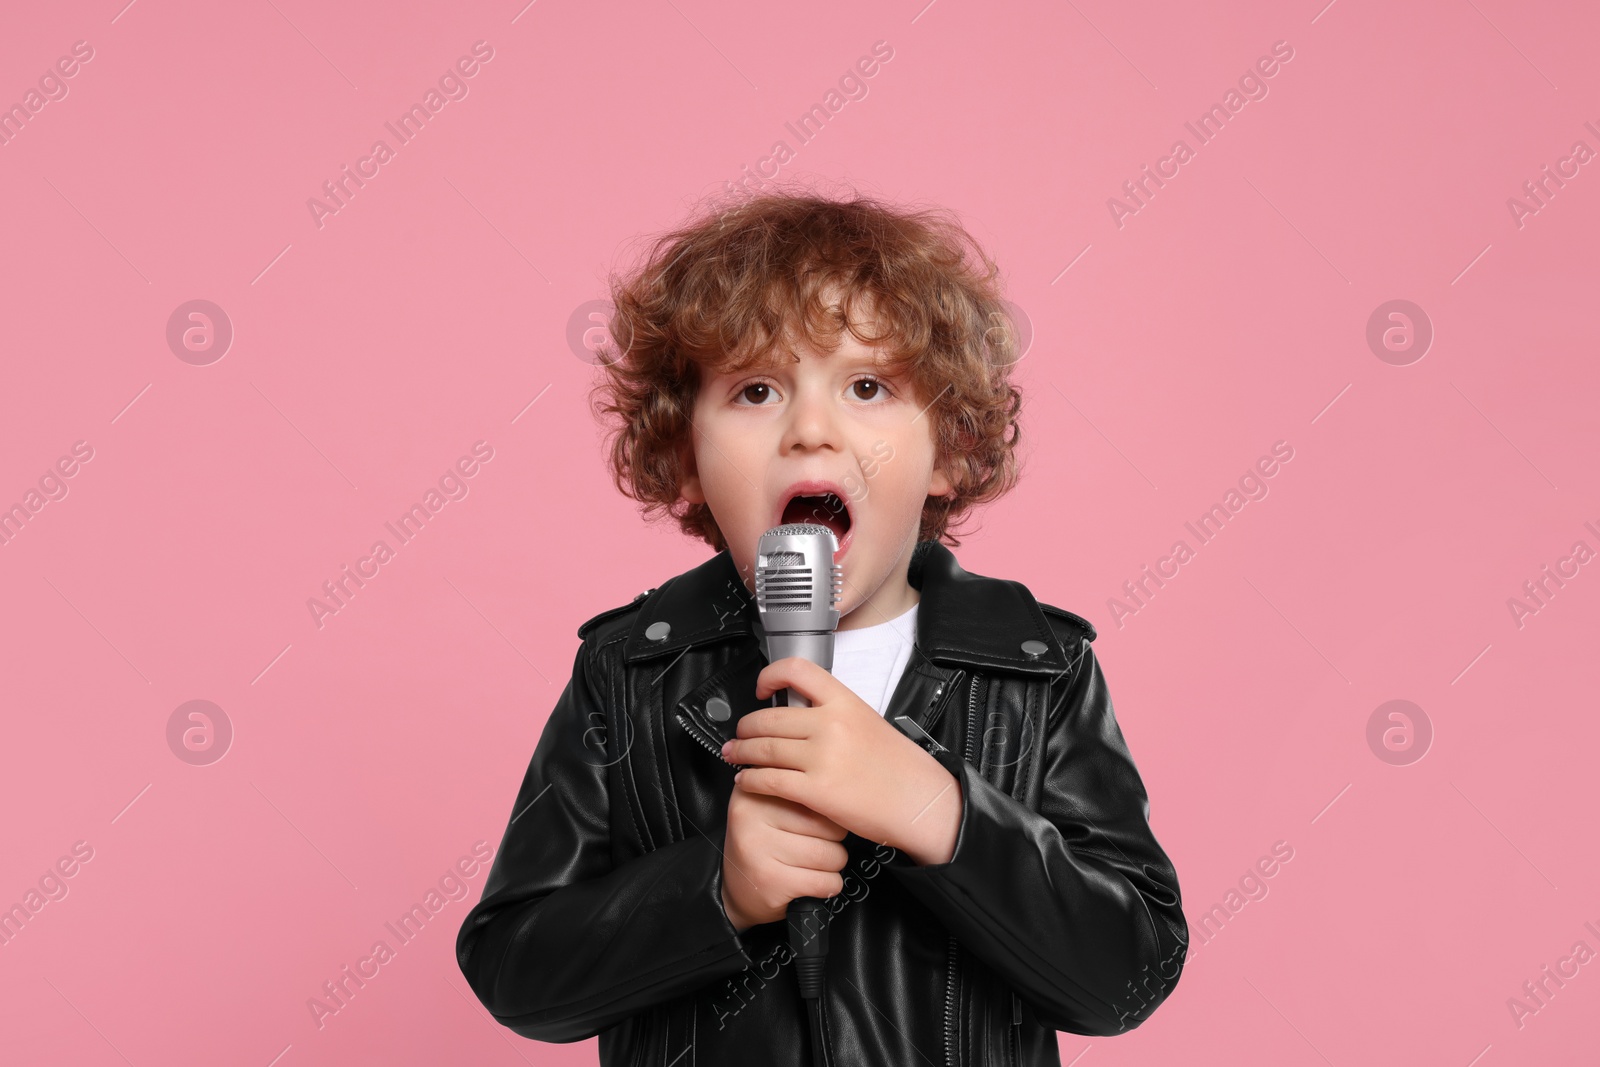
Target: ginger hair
733 287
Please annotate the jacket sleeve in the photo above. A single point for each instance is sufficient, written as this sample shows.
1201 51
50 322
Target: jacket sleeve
564 943
1076 906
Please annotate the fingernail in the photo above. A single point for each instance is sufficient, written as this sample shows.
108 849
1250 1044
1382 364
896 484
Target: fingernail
725 745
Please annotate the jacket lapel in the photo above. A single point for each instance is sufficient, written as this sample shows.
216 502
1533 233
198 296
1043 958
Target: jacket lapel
704 604
974 621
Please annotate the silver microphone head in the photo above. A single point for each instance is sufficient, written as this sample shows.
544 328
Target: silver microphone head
798 585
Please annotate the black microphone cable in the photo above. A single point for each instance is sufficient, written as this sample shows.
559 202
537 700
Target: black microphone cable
808 937
807 918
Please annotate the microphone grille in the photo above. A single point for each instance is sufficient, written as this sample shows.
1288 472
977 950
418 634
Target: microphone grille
791 529
795 573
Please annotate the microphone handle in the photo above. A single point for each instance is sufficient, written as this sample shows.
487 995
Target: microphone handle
814 645
791 698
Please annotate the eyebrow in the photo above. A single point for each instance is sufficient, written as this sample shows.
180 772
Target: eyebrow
867 358
879 361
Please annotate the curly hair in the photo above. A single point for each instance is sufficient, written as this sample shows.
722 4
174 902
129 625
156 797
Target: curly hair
726 289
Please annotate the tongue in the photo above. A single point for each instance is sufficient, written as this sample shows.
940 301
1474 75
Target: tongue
821 510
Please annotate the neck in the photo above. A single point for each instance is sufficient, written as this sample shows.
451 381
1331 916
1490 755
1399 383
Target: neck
893 597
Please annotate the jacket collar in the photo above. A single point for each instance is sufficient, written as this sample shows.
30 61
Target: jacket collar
964 619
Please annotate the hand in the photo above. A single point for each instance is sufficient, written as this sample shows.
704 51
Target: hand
775 850
842 760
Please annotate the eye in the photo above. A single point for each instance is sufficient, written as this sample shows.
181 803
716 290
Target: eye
875 388
758 392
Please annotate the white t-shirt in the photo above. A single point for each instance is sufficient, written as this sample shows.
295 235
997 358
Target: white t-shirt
871 660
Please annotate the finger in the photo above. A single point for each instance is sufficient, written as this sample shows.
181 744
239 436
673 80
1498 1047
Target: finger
773 781
801 675
813 824
811 853
777 722
823 885
792 672
797 818
767 752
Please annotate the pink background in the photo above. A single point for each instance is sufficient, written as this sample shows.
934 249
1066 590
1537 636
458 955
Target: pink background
1229 313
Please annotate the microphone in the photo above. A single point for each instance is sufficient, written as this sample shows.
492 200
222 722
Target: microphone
798 586
797 595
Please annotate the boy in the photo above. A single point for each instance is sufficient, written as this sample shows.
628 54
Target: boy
803 359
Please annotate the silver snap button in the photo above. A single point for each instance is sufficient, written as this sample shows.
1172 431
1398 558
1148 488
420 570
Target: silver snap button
658 631
1035 649
718 710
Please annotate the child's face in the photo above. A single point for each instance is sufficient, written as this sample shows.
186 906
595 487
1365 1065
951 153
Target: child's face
828 418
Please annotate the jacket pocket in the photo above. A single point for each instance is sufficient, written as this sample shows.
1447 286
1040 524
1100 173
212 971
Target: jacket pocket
1002 1029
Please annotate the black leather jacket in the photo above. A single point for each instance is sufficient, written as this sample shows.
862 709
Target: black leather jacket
603 913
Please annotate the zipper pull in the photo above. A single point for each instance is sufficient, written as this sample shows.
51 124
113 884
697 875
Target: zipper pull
1016 1010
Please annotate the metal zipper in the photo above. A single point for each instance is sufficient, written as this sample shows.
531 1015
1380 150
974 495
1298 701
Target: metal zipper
937 706
950 986
1014 1031
694 732
972 711
949 999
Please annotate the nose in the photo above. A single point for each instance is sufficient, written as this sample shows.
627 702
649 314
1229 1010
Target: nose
812 420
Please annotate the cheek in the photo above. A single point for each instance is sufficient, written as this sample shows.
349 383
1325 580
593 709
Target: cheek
729 466
721 484
902 469
721 452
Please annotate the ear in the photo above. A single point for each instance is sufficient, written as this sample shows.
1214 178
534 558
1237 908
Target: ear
689 487
941 483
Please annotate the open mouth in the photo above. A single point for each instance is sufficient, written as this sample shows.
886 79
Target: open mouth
823 507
